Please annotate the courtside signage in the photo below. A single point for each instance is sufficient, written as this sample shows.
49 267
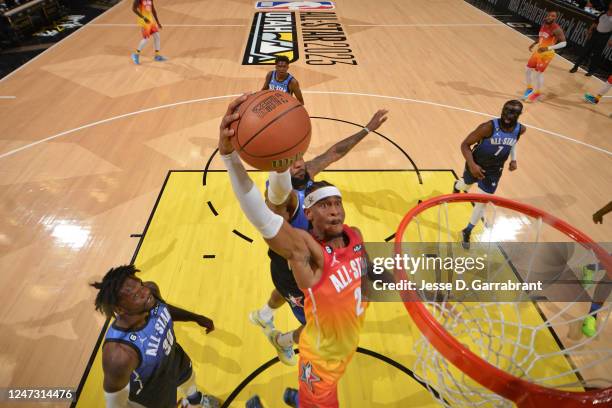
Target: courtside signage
294 5
272 34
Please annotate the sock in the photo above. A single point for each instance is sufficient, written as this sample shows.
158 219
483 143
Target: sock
469 227
477 213
539 81
157 41
285 339
137 51
143 42
528 79
195 398
266 313
604 89
594 308
598 97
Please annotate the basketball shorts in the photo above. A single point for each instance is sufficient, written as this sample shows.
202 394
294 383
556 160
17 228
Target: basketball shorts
318 380
285 284
488 184
540 60
148 29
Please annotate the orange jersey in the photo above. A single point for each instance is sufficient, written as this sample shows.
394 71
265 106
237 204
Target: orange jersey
546 35
333 307
146 9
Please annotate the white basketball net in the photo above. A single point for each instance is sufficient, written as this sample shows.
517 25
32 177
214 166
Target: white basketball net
519 338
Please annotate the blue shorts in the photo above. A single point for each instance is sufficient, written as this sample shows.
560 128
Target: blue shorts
488 184
298 312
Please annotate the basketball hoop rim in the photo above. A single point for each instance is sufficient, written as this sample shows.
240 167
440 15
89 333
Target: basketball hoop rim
521 392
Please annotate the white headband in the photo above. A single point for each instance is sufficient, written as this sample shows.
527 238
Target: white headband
319 194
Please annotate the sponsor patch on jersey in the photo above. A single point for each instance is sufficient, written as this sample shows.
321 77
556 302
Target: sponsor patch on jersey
273 34
328 249
357 248
294 5
133 337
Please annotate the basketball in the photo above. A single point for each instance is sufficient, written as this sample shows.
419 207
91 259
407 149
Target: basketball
273 130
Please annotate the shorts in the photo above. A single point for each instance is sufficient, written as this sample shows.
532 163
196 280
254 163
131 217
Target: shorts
148 29
318 381
488 184
298 312
540 60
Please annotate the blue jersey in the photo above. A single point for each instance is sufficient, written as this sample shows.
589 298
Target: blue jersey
163 363
276 85
492 152
298 218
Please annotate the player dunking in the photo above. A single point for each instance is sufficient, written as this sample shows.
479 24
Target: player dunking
142 362
150 25
285 196
550 38
281 80
494 142
328 265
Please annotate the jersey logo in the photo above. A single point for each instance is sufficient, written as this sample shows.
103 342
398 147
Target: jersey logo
308 376
133 337
357 248
334 260
328 249
296 301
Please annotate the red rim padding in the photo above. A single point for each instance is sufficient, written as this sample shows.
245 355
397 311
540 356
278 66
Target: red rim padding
523 393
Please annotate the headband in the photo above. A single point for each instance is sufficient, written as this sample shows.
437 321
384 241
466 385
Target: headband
319 194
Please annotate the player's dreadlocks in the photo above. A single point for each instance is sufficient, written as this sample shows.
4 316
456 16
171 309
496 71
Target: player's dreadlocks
108 295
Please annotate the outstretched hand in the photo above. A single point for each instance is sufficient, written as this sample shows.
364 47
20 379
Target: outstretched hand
206 323
225 131
378 119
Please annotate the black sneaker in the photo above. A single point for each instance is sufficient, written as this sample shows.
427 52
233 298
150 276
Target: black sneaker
254 402
455 189
465 241
589 74
574 69
291 397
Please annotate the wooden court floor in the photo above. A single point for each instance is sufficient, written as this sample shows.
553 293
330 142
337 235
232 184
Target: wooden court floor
89 138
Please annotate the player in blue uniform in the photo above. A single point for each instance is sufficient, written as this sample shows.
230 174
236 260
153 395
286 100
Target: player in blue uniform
285 196
142 362
281 80
494 141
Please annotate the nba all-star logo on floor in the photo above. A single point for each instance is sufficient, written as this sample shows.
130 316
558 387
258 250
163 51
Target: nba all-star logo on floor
272 34
294 5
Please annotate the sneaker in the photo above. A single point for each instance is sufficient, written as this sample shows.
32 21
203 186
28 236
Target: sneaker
587 277
254 402
136 58
285 354
574 69
528 92
455 189
533 96
465 238
258 321
207 401
590 98
290 396
589 326
589 73
160 58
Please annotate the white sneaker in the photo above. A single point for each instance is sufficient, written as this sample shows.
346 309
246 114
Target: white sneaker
207 401
256 319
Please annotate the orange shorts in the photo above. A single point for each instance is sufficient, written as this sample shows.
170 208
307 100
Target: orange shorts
149 29
319 381
540 60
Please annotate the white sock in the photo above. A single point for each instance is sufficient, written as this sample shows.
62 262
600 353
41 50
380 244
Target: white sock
539 81
477 213
157 41
528 78
460 185
285 339
605 88
143 42
266 313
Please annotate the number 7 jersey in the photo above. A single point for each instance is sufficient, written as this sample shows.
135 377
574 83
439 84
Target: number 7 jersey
334 308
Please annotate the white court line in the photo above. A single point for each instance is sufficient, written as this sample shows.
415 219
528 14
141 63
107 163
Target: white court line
55 45
170 105
8 97
525 35
165 25
426 25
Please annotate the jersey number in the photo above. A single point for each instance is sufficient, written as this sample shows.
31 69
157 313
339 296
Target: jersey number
358 306
499 149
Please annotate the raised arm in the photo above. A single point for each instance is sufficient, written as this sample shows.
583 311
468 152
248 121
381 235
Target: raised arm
296 246
337 151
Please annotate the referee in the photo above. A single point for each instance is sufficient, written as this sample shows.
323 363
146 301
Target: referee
595 45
